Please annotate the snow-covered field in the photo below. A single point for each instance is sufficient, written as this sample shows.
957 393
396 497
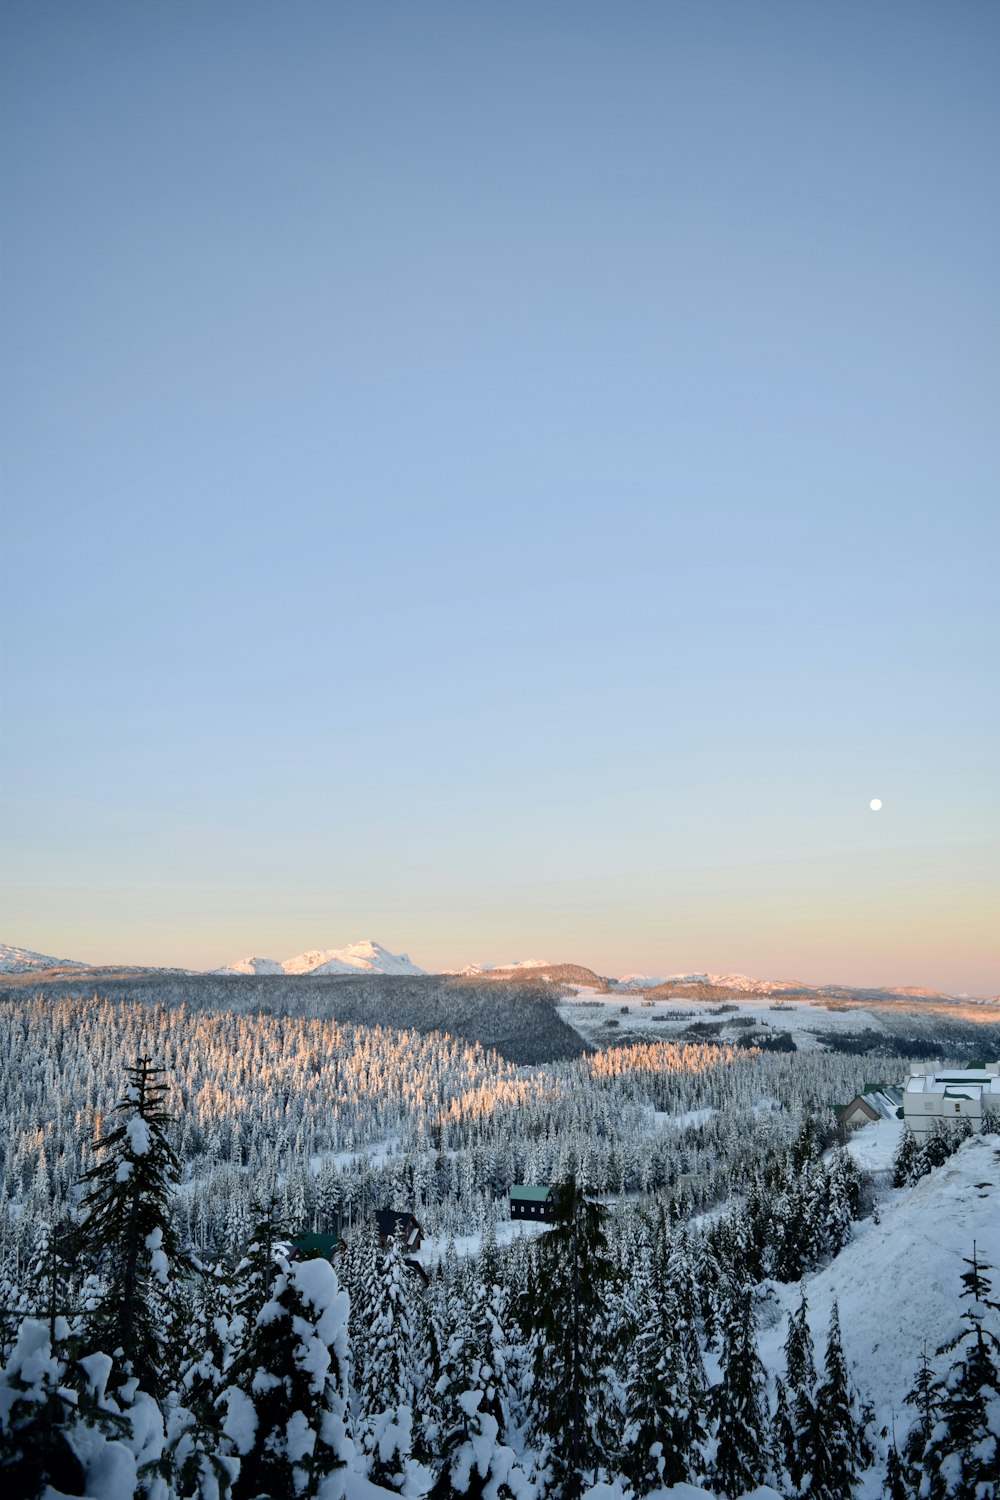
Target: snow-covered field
606 1018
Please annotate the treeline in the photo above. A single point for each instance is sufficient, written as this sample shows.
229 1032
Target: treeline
610 1346
543 1368
351 1118
515 1015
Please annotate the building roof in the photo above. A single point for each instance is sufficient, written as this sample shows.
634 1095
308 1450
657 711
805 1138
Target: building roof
882 1103
400 1222
311 1246
522 1192
977 1081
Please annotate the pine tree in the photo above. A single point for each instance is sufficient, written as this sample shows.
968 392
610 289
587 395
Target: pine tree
782 1430
205 1332
895 1486
257 1268
386 1379
739 1405
800 1381
836 1446
285 1406
570 1382
904 1163
127 1230
36 1415
50 1275
925 1397
472 1388
961 1460
55 1418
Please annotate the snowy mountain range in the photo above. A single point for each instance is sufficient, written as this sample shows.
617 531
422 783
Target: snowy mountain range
22 961
745 985
370 957
366 957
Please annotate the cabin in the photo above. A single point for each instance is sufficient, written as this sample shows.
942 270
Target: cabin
935 1095
530 1202
879 1101
401 1225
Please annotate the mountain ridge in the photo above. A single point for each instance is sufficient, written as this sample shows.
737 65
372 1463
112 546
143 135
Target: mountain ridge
371 957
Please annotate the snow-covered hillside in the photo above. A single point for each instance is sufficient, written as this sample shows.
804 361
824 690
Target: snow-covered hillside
745 984
252 965
22 961
519 963
812 1021
897 1283
367 957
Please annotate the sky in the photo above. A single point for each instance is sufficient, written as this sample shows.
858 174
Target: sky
508 480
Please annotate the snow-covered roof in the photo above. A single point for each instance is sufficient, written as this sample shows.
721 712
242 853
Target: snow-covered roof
971 1082
528 1193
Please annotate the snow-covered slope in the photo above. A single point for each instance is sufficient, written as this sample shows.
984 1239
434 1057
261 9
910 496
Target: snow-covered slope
897 1283
745 984
251 966
368 957
519 963
22 960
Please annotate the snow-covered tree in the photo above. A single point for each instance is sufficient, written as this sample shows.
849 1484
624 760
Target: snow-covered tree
961 1459
570 1358
836 1448
285 1404
126 1228
386 1383
800 1385
739 1401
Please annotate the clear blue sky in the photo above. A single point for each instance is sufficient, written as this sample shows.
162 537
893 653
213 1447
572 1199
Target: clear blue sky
507 479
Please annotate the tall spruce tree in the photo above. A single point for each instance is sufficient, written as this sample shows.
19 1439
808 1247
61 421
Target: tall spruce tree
126 1229
925 1397
800 1383
387 1379
285 1407
739 1401
836 1446
570 1379
961 1460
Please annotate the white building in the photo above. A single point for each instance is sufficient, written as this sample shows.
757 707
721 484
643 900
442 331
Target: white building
935 1095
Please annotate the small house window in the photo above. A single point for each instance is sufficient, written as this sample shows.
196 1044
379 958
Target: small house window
958 1109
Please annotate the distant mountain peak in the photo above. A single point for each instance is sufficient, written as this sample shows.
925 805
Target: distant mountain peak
366 957
519 963
252 965
22 961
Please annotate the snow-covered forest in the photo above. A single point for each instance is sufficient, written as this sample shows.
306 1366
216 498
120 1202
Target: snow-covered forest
159 1340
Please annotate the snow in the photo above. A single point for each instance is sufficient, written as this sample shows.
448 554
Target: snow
300 1437
97 1368
317 1284
139 1136
22 961
110 1466
605 1019
31 1359
873 1146
158 1262
519 963
240 1422
897 1283
366 957
253 965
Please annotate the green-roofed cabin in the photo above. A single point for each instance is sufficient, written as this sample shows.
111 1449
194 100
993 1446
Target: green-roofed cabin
530 1202
315 1246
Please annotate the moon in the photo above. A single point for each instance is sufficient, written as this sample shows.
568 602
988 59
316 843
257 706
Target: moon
876 804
